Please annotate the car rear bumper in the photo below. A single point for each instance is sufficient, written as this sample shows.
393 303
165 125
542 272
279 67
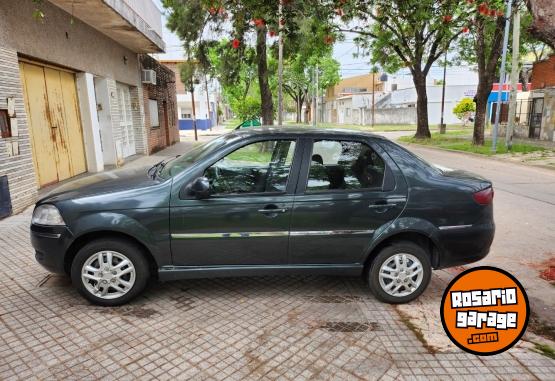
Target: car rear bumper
50 244
465 244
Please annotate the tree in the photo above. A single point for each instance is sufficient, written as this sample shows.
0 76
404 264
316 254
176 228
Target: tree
247 108
543 26
463 109
237 77
403 33
298 79
188 73
482 45
531 49
200 23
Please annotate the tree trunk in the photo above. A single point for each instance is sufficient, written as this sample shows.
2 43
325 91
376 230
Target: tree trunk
299 105
487 64
543 26
422 127
265 91
485 84
307 110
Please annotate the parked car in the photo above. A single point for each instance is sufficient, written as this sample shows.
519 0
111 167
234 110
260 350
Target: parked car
268 201
253 122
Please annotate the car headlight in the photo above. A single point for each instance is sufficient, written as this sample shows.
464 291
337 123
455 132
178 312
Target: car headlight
47 215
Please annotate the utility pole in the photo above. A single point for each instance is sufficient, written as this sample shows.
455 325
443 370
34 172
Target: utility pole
208 101
514 81
501 75
441 124
315 107
280 65
194 110
373 97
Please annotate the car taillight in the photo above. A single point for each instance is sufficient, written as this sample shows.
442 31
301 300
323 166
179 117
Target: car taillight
484 197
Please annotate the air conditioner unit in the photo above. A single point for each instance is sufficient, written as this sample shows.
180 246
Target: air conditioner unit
149 76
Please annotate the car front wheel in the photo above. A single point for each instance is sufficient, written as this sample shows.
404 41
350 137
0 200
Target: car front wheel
400 273
110 272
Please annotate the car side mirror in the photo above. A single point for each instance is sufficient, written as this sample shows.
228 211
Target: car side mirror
200 188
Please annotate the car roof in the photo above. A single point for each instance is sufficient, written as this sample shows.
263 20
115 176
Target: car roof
304 131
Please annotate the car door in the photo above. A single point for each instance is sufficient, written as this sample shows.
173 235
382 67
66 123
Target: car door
246 219
348 189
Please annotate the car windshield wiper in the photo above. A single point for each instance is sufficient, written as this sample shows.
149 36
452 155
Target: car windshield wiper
152 170
157 168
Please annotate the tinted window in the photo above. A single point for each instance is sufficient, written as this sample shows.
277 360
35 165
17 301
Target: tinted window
255 168
344 165
184 161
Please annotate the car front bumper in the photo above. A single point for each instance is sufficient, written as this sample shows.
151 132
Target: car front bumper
51 244
465 245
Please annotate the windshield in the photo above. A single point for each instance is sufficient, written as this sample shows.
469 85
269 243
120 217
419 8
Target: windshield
189 158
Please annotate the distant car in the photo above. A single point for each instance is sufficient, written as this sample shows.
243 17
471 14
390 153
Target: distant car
267 201
249 123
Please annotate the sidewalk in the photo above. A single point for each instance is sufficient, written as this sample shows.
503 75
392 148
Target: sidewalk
267 328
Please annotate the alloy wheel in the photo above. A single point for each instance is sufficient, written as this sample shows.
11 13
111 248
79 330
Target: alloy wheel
401 274
108 274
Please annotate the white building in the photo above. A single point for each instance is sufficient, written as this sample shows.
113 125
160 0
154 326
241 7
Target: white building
399 105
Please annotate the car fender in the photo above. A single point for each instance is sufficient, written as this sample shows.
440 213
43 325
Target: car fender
112 221
404 225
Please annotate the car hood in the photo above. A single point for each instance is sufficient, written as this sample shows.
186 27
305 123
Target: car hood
102 183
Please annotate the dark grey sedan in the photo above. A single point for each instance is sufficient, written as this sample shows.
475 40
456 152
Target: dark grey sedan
268 201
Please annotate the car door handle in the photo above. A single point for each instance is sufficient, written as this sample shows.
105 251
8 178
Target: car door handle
272 211
382 205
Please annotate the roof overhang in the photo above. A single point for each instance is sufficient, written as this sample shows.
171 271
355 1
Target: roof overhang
117 20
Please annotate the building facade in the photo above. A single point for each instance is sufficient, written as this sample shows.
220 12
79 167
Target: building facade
395 97
160 104
335 104
205 99
71 95
541 119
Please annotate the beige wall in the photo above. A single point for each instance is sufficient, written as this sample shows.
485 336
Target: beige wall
77 46
360 81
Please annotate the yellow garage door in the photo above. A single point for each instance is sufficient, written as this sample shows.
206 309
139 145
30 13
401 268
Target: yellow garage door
55 125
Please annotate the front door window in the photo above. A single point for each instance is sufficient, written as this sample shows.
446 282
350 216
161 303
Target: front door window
257 168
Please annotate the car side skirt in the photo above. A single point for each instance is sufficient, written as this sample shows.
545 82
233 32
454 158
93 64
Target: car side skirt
169 273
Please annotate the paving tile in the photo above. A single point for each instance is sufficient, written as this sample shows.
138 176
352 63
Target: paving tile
274 328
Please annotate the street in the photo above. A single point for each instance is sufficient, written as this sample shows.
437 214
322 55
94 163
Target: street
312 327
524 240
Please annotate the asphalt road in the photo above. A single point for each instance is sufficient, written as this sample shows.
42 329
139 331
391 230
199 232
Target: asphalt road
524 215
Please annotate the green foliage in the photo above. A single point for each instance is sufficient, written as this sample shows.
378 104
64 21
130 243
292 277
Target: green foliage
463 143
405 33
187 73
465 106
247 108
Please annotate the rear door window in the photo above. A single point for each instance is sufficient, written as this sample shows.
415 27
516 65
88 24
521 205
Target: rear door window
344 165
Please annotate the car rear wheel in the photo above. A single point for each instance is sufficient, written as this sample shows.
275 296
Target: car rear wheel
400 273
110 272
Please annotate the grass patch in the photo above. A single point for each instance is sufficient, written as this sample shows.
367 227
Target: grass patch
231 123
545 350
257 152
462 143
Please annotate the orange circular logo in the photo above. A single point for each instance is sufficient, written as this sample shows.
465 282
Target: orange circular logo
485 310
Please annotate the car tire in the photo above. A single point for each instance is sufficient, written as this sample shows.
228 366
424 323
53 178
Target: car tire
123 272
410 276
